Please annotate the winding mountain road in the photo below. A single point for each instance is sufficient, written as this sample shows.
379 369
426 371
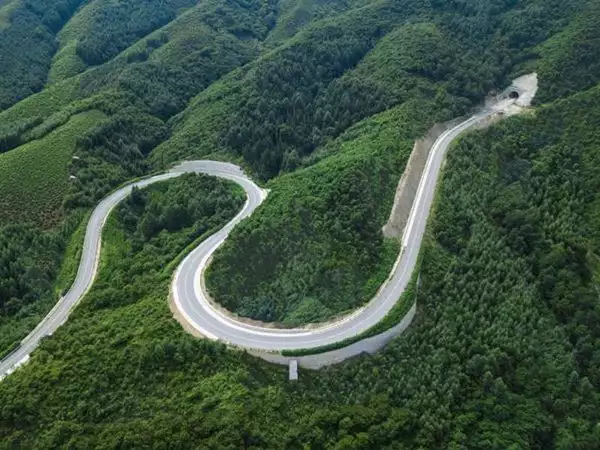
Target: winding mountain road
188 292
193 302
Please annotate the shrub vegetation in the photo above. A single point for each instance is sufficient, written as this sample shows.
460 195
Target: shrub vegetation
321 101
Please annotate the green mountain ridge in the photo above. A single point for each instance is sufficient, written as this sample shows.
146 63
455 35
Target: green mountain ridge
321 101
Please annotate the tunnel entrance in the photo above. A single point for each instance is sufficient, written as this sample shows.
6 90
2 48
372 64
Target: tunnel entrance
513 95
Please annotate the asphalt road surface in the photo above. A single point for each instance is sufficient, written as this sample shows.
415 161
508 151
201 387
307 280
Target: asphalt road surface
189 294
193 303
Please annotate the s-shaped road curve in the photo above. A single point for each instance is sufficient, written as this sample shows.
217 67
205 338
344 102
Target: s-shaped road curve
187 289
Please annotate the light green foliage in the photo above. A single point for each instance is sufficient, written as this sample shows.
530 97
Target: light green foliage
224 399
66 63
509 311
29 265
32 111
6 9
136 90
478 368
329 76
34 178
296 14
103 28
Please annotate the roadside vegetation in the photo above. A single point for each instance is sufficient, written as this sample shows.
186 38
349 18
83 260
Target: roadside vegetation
316 246
398 312
34 178
63 149
320 101
503 352
326 253
34 226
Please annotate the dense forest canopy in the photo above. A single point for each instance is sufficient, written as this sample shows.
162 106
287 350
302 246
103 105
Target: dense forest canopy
27 42
321 101
330 255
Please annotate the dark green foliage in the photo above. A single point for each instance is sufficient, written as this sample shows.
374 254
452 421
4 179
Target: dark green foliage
151 218
166 87
131 356
196 201
399 311
292 100
111 153
315 249
167 68
117 25
505 350
27 44
278 113
489 363
569 61
294 15
10 135
504 353
29 263
135 94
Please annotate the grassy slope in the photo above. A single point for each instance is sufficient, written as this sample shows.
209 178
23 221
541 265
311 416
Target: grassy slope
34 177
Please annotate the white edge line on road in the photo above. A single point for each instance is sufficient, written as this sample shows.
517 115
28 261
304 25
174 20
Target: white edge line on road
233 173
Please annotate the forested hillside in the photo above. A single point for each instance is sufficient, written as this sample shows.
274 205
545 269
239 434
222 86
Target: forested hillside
412 65
321 101
53 170
28 30
330 255
503 354
363 61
